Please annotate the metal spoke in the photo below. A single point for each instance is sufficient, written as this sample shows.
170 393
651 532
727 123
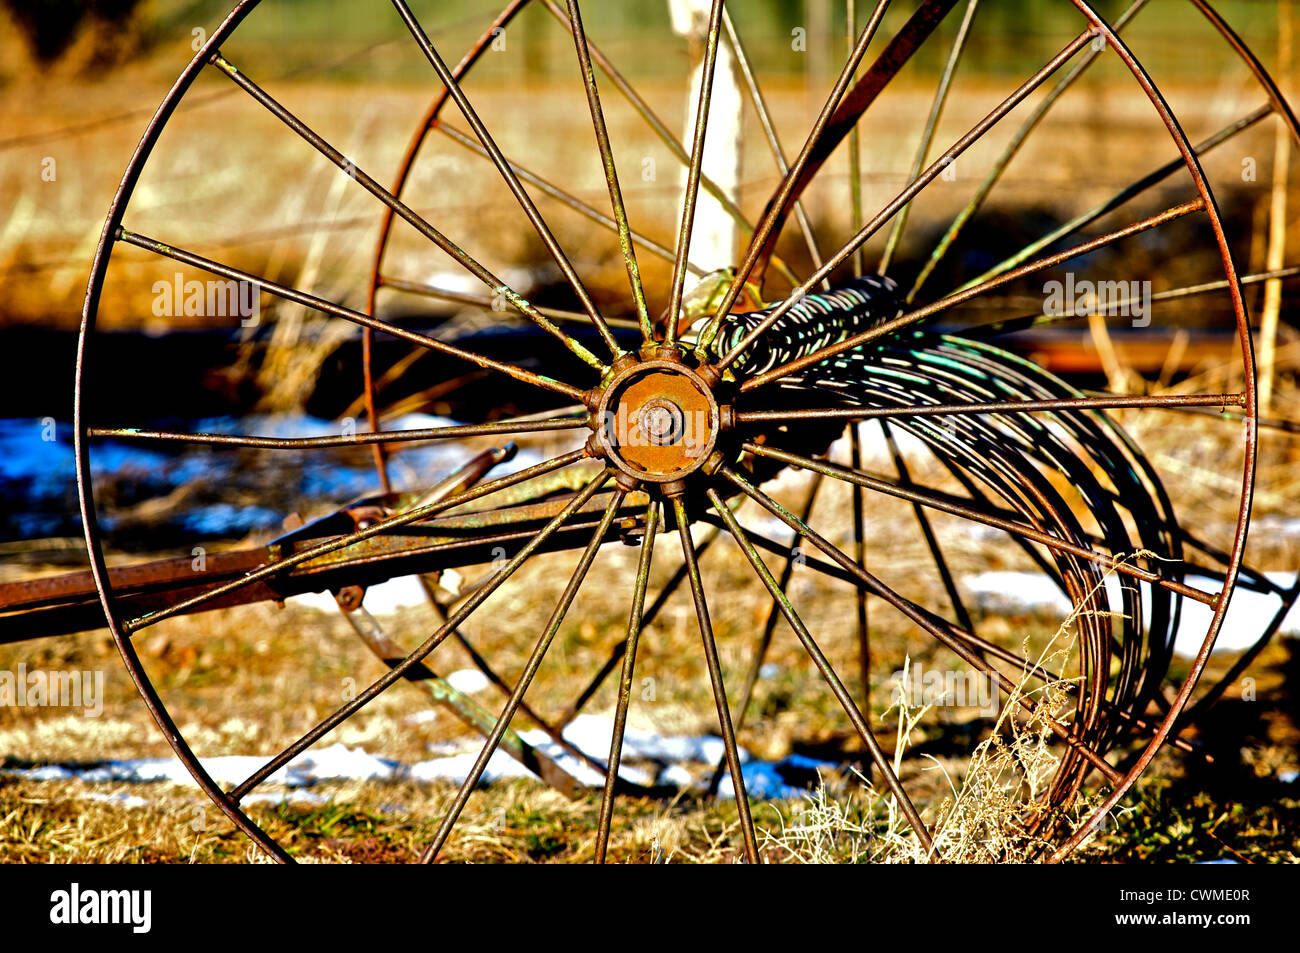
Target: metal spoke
921 618
1009 526
635 624
778 548
693 173
348 314
927 136
769 131
616 655
776 209
860 557
507 172
910 192
1026 668
342 542
664 134
1120 198
715 679
952 300
579 206
1037 319
888 63
468 711
399 670
495 284
361 439
769 628
611 172
855 156
525 678
1010 152
555 732
1099 402
827 671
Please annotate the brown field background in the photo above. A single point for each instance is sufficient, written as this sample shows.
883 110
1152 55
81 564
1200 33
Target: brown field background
230 182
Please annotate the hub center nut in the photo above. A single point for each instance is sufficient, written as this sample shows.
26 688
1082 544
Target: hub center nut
657 421
662 421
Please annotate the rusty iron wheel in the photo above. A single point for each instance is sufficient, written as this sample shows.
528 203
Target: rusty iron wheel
692 415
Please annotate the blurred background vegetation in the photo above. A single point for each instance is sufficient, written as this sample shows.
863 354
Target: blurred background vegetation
88 36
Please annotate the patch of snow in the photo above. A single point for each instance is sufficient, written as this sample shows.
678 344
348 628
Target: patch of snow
668 756
385 598
468 680
120 799
1249 613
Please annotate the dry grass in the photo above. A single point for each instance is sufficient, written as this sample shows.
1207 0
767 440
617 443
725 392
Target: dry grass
994 803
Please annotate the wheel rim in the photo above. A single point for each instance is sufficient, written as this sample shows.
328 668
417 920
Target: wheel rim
705 475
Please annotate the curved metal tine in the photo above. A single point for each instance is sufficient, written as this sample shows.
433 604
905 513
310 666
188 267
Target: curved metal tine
1010 152
827 671
860 557
977 132
952 300
927 530
374 529
927 135
769 629
485 302
582 208
693 171
715 679
776 209
979 498
635 623
1121 197
625 234
1034 320
1024 667
855 163
1101 401
555 733
503 166
525 678
495 284
355 440
769 131
616 654
922 618
398 671
1010 526
663 133
348 314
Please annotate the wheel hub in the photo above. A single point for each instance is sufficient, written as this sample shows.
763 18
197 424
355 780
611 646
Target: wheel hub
657 421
